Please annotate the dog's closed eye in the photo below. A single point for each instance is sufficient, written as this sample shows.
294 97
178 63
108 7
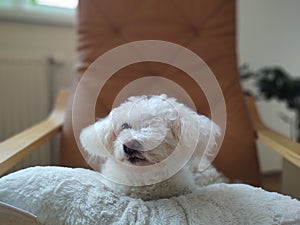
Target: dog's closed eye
125 126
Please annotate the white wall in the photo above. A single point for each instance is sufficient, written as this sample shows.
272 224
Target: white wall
269 34
44 40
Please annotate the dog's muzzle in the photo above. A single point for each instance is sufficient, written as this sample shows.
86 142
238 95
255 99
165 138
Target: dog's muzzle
131 149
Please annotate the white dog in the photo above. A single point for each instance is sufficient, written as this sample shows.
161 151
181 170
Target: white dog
145 145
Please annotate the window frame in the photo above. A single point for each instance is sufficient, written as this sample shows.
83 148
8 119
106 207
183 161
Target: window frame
25 11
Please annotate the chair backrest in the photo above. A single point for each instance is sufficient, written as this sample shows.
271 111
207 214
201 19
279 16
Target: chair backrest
205 27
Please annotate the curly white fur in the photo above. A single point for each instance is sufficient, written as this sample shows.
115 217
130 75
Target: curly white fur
144 131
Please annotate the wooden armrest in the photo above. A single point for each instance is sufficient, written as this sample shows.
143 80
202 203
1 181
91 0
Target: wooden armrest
10 215
287 148
17 147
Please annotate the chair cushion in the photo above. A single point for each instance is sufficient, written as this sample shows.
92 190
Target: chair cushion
205 27
58 195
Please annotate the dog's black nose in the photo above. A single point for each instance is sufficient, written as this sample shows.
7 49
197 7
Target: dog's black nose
129 151
131 147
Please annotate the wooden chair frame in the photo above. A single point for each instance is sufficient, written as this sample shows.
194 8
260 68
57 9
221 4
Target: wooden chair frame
17 147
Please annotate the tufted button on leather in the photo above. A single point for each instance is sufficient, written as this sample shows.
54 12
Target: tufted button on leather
195 31
116 30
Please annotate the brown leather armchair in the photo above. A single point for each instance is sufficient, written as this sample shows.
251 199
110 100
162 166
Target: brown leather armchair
205 27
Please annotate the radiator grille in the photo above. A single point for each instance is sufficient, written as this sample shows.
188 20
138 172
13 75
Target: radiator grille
24 100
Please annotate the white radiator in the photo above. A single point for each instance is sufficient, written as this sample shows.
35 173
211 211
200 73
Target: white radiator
25 99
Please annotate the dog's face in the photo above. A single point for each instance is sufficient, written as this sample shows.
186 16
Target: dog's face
146 130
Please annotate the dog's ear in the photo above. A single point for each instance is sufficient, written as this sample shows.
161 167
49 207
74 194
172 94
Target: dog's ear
208 144
97 138
198 134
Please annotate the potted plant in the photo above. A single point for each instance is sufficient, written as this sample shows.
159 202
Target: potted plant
276 83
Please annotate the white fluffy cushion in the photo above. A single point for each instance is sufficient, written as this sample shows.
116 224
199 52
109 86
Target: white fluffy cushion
60 195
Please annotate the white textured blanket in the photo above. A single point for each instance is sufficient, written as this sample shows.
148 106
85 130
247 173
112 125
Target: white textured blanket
60 195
